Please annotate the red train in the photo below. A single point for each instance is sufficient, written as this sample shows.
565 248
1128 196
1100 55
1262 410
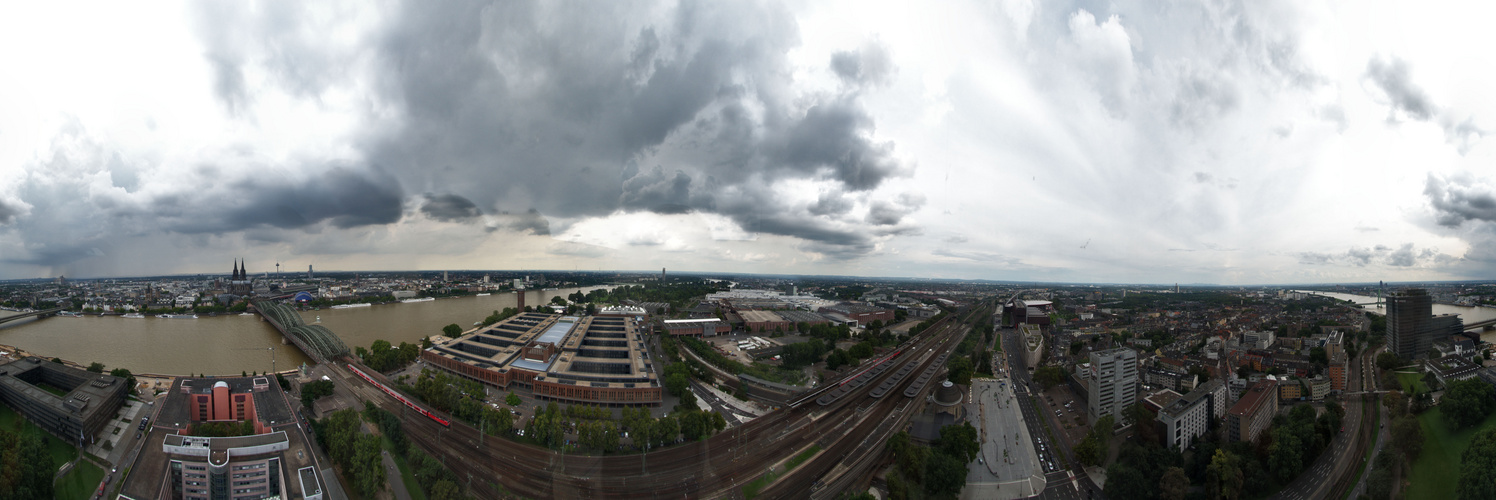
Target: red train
397 395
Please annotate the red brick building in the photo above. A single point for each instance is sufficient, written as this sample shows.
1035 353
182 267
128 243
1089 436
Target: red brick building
861 313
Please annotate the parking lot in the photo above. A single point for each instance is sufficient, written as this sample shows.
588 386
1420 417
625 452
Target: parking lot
1060 402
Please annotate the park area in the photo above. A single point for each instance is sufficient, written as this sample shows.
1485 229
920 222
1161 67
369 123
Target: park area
1436 472
81 482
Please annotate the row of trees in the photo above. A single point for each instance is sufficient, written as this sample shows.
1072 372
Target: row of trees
358 454
940 469
383 357
496 317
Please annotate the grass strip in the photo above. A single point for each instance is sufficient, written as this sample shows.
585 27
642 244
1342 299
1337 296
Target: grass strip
751 489
81 482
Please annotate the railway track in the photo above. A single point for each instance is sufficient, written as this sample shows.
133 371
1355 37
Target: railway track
495 467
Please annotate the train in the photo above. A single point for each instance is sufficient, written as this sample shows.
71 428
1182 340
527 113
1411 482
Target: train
400 397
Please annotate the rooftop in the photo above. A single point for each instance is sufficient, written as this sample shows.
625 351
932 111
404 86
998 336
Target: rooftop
1260 392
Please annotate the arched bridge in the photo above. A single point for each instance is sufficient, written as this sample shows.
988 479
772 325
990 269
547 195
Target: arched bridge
315 340
40 314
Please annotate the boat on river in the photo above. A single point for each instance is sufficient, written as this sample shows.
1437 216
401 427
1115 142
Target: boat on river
177 316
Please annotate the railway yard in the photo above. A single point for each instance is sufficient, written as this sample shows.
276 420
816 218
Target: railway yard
849 419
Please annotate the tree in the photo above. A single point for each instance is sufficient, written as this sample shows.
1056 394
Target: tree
1285 456
1124 481
452 330
1223 478
1388 361
1396 404
1088 451
945 475
1476 464
1049 376
960 441
960 370
124 373
1174 484
1407 436
1318 356
1467 402
96 367
512 399
445 490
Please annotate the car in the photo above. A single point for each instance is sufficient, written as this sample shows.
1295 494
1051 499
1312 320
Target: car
138 434
980 461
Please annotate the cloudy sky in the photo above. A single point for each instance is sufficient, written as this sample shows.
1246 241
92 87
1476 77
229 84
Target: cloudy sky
1149 142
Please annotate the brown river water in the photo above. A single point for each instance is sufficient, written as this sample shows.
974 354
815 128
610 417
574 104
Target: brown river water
224 345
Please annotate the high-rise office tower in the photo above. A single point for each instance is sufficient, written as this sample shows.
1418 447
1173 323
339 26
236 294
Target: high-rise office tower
1114 382
1412 327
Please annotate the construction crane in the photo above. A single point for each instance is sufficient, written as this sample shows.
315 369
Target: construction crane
272 354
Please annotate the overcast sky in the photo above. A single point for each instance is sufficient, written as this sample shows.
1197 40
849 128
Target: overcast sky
1148 142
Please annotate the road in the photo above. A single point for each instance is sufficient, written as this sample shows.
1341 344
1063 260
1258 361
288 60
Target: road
1061 479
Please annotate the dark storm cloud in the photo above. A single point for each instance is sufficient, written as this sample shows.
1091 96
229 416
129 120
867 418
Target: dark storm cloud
449 208
1392 77
659 193
344 196
529 222
834 136
1459 199
8 212
552 106
831 203
868 66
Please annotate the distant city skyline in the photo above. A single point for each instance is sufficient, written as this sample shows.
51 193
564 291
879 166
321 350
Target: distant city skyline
1129 142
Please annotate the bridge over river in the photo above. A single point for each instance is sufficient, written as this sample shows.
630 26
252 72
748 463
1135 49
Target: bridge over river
40 314
316 341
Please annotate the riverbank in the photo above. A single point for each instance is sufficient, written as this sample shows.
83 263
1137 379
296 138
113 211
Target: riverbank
230 344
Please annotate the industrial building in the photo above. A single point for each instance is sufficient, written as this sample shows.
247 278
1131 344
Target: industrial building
765 321
704 327
586 359
1412 327
1113 375
860 313
89 401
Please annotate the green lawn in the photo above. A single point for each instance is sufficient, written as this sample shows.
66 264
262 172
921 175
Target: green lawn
13 422
1437 470
1412 382
81 482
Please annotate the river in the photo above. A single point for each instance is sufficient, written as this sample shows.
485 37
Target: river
1467 313
226 345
